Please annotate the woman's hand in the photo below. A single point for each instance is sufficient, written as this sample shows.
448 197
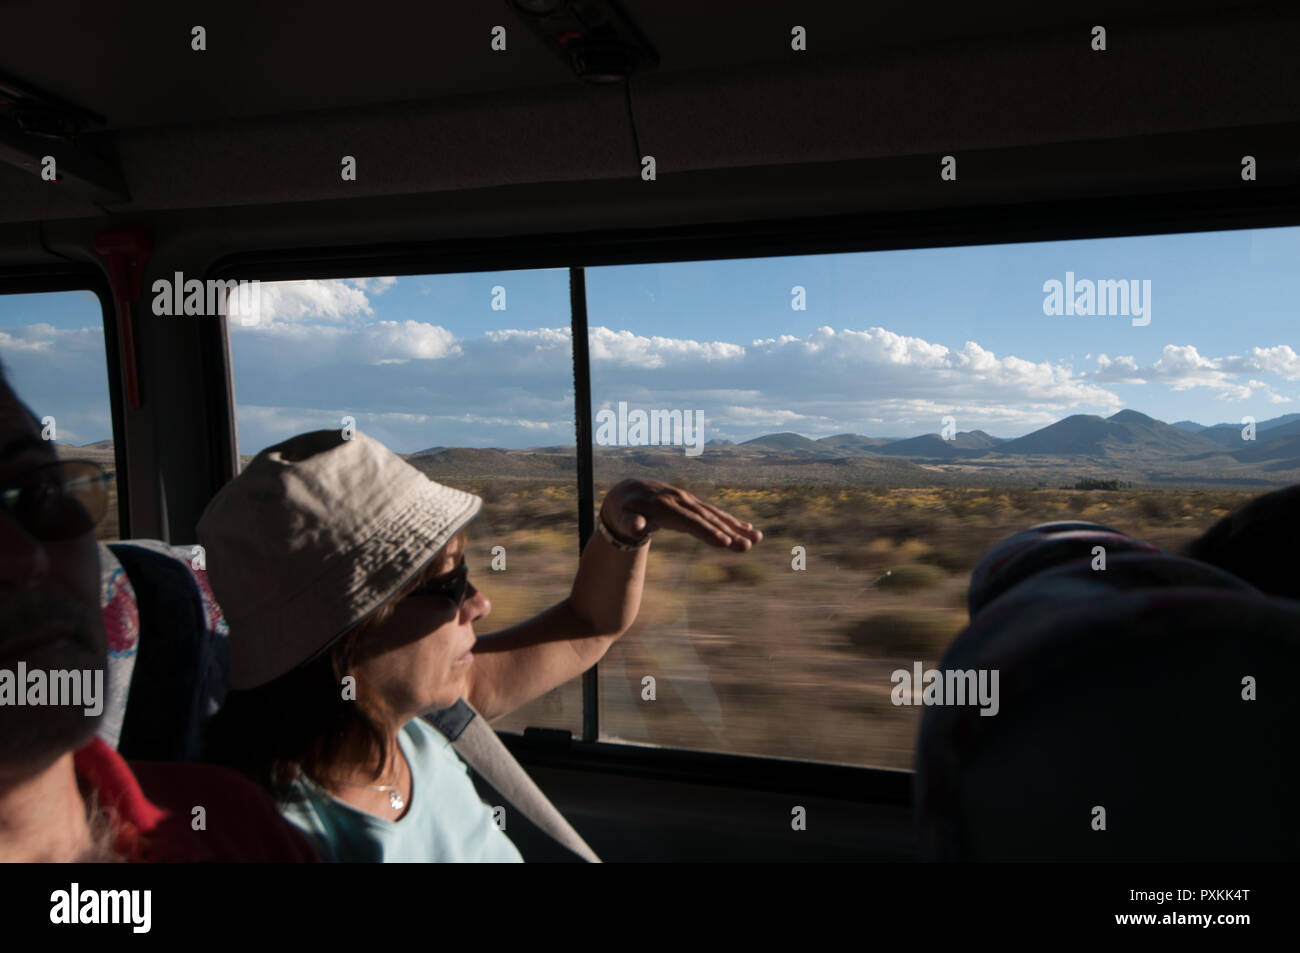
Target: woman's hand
639 506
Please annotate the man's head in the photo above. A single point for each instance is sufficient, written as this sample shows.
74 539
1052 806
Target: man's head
49 597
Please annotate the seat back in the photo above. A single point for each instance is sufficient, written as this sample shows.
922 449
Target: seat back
1145 713
179 670
122 632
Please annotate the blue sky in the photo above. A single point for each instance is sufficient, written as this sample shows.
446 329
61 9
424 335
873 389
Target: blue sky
889 343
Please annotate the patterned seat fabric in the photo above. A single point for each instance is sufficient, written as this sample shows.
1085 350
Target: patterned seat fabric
168 650
122 629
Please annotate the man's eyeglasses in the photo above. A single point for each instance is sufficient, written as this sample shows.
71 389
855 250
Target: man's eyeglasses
456 587
57 501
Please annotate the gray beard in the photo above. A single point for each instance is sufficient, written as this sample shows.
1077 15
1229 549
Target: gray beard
102 829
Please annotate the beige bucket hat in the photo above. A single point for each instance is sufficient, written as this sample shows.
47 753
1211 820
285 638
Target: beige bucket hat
314 535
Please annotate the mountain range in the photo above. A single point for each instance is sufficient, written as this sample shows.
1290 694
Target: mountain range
1128 446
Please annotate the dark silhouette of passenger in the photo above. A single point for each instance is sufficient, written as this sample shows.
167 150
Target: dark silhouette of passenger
1146 708
1258 543
65 795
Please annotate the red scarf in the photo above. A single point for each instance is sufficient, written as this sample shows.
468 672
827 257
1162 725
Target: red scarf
240 823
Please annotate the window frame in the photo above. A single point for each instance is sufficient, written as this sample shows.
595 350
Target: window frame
976 225
51 279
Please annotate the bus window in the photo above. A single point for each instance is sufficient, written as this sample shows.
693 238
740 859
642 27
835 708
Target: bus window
884 418
52 346
470 378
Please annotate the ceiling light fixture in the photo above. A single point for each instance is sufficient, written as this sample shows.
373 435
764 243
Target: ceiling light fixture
595 37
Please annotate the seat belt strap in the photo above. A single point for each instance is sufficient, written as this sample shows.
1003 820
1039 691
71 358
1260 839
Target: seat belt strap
476 742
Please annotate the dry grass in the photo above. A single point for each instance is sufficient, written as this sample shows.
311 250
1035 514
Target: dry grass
750 655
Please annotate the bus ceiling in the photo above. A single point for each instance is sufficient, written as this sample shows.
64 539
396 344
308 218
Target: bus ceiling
144 113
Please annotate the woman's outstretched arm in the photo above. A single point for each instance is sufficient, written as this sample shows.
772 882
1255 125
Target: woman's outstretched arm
523 662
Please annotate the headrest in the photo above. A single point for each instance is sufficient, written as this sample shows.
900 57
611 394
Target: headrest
1042 547
1144 713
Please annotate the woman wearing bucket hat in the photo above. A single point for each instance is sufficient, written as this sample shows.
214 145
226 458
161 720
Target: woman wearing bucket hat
340 570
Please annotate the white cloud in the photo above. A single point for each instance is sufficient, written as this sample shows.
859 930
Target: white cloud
55 343
1183 367
334 301
376 286
626 348
262 426
392 341
538 341
762 416
329 300
63 373
378 342
1118 370
34 337
1280 360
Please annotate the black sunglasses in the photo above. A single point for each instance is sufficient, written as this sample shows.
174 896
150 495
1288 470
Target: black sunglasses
57 501
456 587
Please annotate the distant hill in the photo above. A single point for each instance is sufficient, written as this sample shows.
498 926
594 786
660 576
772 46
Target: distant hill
1269 424
1225 435
1276 423
1229 435
459 462
970 444
1129 446
1127 432
977 440
850 443
101 452
1283 452
1285 430
1079 433
782 441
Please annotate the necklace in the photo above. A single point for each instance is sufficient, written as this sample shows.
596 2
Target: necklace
395 799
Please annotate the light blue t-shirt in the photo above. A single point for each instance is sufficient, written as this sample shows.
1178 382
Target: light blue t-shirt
447 821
